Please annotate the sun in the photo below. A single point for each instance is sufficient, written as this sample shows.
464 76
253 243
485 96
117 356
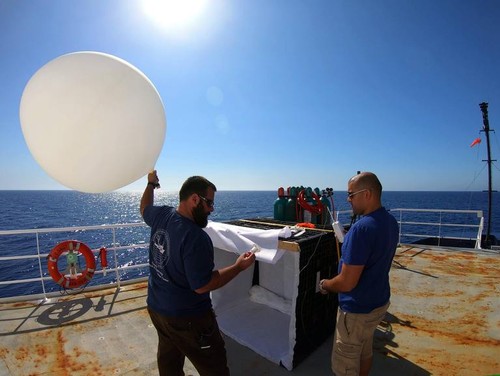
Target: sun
174 14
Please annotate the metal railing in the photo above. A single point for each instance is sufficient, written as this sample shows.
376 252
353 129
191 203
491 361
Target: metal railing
120 239
33 247
438 224
449 224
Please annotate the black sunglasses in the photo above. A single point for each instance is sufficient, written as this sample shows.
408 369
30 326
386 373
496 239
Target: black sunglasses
210 203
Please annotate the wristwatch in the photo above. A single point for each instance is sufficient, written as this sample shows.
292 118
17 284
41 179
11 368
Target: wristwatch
321 289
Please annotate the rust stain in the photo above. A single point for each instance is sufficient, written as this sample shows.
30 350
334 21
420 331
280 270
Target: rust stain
22 353
467 331
41 351
68 362
143 312
49 354
434 349
4 352
136 286
26 304
444 310
458 263
446 360
58 350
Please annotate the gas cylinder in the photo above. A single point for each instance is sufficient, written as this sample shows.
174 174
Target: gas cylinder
291 206
308 216
326 214
280 205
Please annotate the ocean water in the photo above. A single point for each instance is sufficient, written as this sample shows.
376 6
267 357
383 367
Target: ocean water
48 209
42 209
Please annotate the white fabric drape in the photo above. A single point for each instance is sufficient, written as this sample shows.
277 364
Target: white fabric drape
239 239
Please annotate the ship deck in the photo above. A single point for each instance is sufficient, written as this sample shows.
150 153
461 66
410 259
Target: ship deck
444 319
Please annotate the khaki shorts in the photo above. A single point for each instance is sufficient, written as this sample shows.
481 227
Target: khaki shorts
354 339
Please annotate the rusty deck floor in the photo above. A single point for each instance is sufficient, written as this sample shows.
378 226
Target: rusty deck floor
444 320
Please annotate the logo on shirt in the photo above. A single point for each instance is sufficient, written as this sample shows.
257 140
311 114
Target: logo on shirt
160 253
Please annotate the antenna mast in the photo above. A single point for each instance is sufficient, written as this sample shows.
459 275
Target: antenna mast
486 129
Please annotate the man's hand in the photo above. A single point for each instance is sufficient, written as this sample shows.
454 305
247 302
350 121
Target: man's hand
321 287
222 276
153 179
245 260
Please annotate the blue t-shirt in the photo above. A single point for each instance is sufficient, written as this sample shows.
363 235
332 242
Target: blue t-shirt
181 260
371 242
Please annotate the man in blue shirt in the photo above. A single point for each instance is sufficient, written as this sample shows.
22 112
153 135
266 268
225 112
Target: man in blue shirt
362 282
181 263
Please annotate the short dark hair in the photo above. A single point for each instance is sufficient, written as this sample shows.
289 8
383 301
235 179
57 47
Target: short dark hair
195 184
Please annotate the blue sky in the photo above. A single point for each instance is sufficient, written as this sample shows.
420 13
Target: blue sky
260 94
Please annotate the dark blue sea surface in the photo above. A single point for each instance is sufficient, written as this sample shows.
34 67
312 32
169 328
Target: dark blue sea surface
48 209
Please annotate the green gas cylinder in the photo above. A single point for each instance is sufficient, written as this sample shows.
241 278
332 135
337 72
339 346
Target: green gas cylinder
291 206
280 205
326 218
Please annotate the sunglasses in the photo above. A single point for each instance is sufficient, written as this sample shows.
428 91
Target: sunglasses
352 194
210 203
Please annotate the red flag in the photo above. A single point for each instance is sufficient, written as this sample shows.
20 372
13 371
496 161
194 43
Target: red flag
475 142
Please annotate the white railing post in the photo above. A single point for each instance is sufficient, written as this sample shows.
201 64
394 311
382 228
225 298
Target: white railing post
439 228
40 265
400 225
479 232
116 259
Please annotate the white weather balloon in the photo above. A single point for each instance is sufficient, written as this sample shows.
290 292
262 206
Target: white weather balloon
92 121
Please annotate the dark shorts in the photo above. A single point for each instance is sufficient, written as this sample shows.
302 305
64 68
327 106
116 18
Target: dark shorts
197 338
354 339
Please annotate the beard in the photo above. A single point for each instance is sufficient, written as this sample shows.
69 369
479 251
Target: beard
200 216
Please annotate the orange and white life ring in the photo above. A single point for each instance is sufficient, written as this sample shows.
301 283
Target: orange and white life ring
314 209
72 277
